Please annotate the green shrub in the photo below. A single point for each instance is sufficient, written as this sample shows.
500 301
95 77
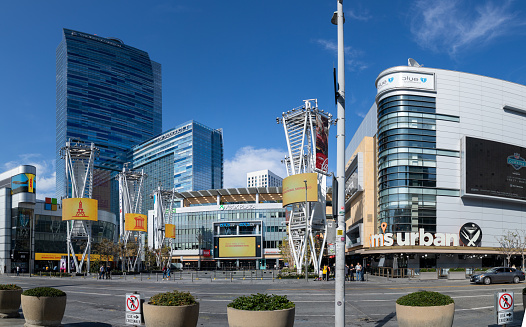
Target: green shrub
424 299
44 291
261 302
457 269
4 287
295 276
174 298
428 270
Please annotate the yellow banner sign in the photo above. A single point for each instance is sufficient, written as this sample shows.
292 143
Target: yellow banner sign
80 209
294 188
58 256
135 222
169 230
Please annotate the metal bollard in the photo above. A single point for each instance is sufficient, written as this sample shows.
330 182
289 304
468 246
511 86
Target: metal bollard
157 277
231 277
192 276
141 276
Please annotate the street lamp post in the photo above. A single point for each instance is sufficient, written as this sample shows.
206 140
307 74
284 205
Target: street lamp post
306 233
339 291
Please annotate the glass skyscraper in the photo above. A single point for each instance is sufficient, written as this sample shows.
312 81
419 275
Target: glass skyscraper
188 157
108 93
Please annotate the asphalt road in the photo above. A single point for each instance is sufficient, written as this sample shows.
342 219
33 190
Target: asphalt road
101 303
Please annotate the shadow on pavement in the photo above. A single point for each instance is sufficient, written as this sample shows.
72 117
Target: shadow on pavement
87 324
385 320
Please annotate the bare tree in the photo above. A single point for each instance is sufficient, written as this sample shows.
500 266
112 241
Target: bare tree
508 244
521 245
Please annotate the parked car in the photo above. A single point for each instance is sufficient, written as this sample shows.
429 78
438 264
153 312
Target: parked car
498 275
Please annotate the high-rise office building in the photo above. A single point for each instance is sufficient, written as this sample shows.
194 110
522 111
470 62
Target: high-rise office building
263 178
188 157
108 93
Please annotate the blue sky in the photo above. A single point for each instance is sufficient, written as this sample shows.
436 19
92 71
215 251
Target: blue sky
237 65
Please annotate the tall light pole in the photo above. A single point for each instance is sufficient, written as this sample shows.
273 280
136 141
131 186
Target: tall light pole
339 288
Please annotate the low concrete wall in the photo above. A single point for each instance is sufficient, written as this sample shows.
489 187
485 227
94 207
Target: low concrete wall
456 275
428 275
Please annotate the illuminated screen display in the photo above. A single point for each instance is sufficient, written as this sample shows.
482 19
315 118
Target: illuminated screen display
23 183
238 247
495 169
294 188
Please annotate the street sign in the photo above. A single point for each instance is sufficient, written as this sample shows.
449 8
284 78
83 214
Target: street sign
504 318
133 309
133 318
504 304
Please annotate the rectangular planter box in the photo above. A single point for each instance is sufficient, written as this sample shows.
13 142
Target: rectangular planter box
428 275
456 275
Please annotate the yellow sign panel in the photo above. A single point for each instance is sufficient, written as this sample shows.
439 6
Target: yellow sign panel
58 256
169 230
237 247
294 188
80 209
135 222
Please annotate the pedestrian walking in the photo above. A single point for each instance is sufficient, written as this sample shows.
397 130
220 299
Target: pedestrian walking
168 272
101 272
346 272
352 270
18 270
164 273
325 276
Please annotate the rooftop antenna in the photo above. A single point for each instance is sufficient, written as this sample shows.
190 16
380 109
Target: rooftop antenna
412 63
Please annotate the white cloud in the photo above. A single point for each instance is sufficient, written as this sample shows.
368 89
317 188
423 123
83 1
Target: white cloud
444 26
362 16
248 159
351 54
46 174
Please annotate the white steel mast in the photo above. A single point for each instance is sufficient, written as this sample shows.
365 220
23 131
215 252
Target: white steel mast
130 201
307 219
80 159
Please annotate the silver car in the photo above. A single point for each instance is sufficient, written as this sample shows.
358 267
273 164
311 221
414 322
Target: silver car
498 275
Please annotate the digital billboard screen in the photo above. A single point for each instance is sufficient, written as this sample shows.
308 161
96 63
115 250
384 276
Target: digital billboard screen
495 169
294 188
23 183
238 247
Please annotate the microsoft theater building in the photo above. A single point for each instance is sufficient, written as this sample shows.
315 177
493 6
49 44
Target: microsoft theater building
449 175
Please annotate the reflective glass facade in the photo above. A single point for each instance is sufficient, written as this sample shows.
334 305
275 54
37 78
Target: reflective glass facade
188 157
191 224
110 94
407 163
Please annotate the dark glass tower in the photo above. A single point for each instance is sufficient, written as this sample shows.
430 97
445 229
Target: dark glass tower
108 93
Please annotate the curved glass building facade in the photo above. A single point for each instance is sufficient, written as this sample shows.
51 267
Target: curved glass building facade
407 162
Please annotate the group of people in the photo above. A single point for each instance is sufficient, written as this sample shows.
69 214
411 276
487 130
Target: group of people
352 270
328 272
104 272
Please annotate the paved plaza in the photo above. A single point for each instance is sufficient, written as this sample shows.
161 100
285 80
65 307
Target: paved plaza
101 303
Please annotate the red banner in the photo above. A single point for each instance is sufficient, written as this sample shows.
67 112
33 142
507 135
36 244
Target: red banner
322 143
